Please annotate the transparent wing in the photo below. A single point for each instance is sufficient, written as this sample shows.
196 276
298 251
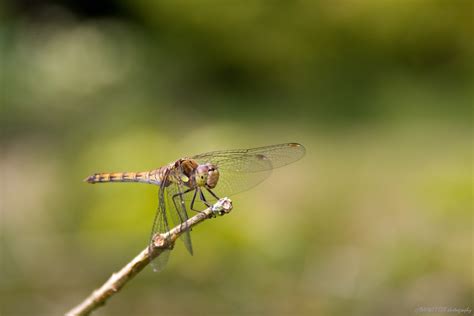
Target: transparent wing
160 225
255 159
233 182
161 261
171 206
242 169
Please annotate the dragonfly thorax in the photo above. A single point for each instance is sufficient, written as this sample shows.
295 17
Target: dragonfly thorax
207 175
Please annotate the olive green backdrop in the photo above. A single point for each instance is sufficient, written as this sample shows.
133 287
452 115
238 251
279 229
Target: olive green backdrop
376 219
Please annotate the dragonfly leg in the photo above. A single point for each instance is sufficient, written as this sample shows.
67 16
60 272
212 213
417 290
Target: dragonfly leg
180 194
176 206
203 198
192 202
212 193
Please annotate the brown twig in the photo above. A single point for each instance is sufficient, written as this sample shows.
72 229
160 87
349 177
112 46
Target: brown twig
160 243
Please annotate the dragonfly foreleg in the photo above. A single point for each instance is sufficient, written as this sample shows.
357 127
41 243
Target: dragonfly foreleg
203 198
213 194
194 199
192 202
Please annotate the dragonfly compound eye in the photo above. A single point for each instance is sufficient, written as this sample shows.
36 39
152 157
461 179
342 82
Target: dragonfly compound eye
213 177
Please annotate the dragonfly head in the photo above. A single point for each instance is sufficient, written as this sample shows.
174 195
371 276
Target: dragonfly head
207 175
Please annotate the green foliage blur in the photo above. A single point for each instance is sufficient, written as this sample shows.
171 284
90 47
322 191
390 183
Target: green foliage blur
376 219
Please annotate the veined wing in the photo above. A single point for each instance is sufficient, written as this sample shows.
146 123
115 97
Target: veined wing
160 225
254 159
171 212
242 169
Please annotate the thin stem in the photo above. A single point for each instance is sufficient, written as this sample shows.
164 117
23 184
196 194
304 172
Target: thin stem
160 243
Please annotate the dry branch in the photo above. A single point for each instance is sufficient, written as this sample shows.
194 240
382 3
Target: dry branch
161 242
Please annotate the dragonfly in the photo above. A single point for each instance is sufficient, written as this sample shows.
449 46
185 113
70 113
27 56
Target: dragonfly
195 182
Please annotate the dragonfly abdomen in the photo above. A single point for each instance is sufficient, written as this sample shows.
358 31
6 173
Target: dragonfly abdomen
145 177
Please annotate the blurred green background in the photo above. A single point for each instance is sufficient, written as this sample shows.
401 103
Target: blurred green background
376 219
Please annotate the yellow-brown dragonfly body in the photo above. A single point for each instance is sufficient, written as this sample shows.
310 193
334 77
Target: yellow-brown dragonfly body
218 173
188 169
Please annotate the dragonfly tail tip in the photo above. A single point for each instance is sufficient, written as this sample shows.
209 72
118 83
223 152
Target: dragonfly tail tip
90 179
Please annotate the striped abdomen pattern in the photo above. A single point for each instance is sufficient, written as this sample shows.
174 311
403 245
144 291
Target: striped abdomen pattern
153 176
